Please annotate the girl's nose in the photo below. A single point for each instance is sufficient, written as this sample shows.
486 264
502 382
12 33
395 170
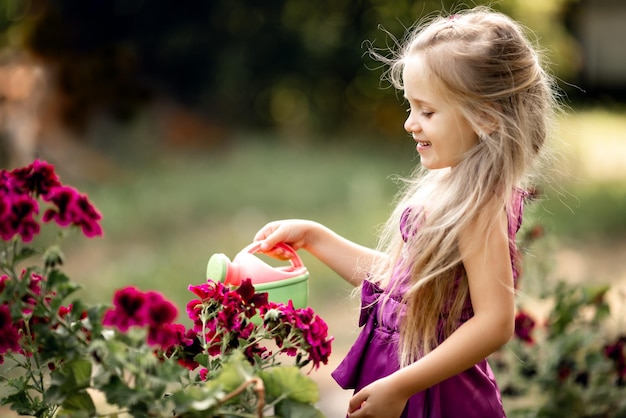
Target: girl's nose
411 125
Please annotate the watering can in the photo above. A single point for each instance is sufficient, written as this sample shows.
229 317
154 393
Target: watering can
282 283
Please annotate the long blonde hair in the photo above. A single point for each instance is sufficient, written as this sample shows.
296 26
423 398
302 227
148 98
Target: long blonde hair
486 66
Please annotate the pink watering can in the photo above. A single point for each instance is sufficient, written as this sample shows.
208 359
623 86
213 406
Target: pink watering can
282 283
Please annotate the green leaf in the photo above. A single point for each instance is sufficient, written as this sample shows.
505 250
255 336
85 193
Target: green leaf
288 381
202 359
594 294
235 371
25 253
69 378
79 404
289 408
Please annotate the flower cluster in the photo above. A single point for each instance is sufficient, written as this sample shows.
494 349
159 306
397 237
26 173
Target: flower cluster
617 353
524 325
55 354
19 190
572 362
133 307
225 319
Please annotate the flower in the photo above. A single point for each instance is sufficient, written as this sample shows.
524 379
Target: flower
574 365
9 335
524 325
72 208
59 353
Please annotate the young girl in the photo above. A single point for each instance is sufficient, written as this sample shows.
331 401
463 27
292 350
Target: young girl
438 292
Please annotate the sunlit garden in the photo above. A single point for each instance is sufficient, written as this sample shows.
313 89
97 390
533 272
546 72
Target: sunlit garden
168 204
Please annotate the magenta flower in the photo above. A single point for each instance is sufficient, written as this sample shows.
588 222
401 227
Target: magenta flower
130 309
166 335
209 291
9 335
524 325
17 216
617 353
73 208
300 326
37 178
160 311
135 308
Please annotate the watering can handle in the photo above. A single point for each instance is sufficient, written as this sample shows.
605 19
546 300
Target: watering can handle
295 260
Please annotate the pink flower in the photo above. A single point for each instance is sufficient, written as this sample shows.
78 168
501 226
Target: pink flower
524 325
9 336
37 178
160 310
166 335
129 309
209 291
135 308
73 208
17 216
300 326
617 353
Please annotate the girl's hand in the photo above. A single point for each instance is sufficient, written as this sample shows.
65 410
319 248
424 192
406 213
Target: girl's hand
348 259
294 232
379 399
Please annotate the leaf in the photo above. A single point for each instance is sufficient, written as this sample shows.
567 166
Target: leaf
202 359
288 381
594 294
235 371
78 404
69 378
289 408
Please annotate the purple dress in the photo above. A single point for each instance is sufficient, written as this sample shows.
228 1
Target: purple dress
470 394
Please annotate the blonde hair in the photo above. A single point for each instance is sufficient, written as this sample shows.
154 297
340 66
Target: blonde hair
487 67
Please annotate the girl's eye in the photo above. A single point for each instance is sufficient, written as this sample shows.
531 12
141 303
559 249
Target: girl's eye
427 114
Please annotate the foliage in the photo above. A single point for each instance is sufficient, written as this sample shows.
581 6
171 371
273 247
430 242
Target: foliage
57 356
277 63
572 364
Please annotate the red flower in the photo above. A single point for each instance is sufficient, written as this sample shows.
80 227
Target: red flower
617 353
524 325
160 311
16 216
73 208
129 309
37 178
166 335
9 336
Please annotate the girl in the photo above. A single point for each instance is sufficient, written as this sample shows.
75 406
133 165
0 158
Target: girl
438 292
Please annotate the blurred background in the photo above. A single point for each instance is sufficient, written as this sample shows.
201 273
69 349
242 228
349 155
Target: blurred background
191 124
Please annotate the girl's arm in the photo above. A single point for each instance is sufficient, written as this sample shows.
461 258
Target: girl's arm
349 260
487 261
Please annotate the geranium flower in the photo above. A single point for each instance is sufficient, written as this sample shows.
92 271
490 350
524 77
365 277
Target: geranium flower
72 208
129 309
160 311
524 325
617 353
165 335
37 178
17 216
9 335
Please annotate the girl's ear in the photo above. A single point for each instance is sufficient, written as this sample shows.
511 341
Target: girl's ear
487 124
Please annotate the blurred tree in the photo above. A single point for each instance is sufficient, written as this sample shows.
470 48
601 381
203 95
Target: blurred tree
294 64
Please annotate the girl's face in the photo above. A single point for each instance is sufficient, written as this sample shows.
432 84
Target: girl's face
443 135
